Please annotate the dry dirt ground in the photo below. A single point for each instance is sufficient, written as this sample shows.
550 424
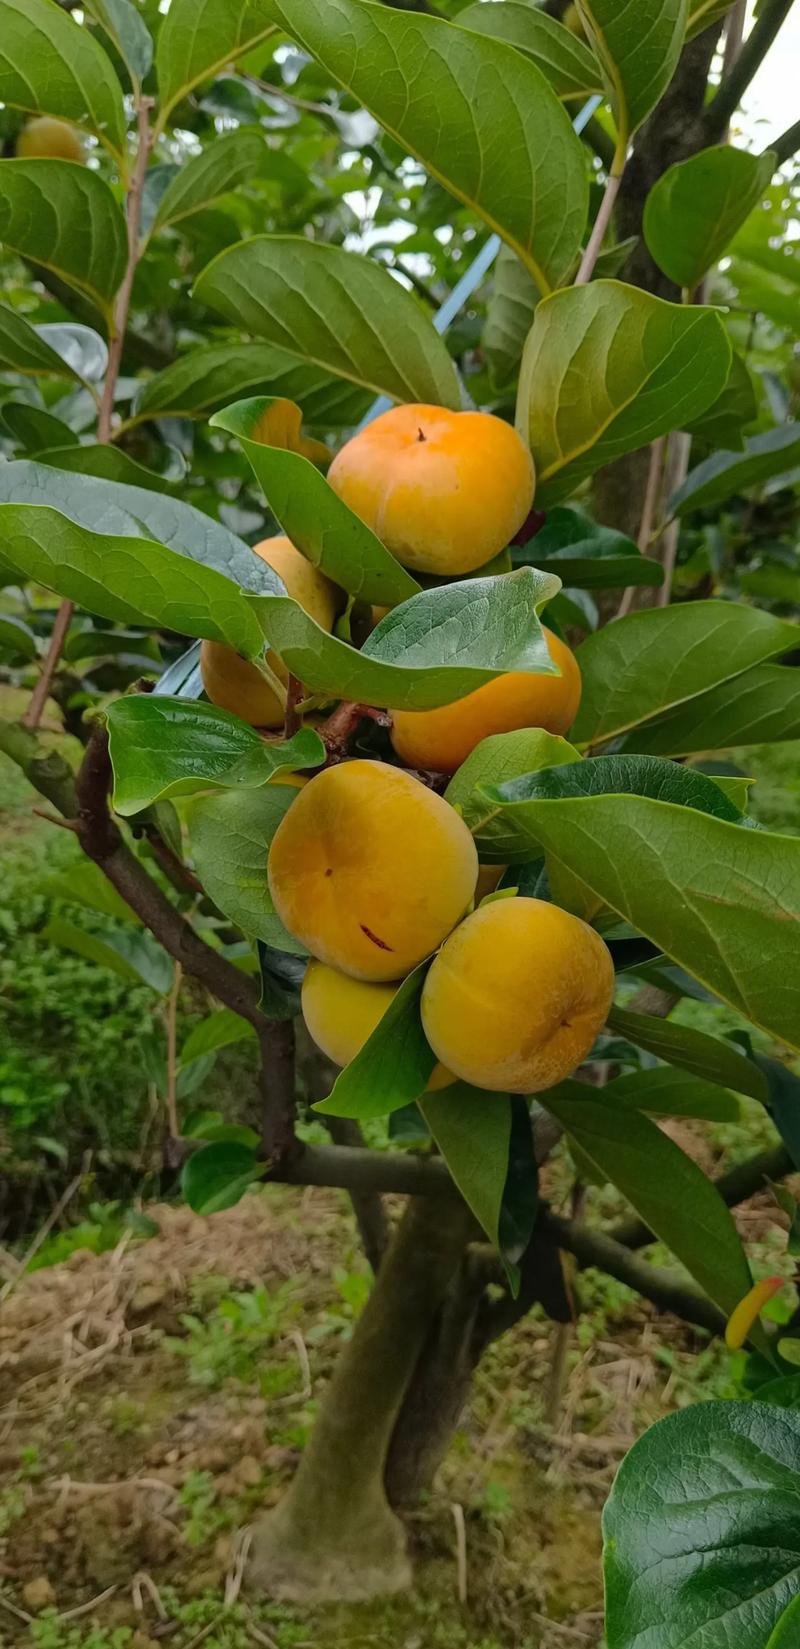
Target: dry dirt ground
153 1397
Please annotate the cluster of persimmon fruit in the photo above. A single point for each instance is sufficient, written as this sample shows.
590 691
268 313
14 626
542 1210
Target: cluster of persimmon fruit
371 869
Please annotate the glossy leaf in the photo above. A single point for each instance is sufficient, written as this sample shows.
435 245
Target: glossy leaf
230 835
702 13
762 706
16 638
219 1029
696 207
50 65
219 168
32 428
564 60
725 474
217 1176
197 38
607 368
480 116
501 757
282 977
585 555
336 310
637 48
718 899
80 347
702 1530
472 1129
134 955
667 1189
395 1064
664 1092
709 1057
787 1632
65 217
107 462
23 349
208 378
316 520
652 661
663 781
509 312
123 23
173 747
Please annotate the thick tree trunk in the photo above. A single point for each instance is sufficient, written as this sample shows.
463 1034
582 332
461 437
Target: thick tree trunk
334 1534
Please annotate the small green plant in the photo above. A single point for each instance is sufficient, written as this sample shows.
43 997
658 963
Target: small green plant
48 1631
205 1518
232 1342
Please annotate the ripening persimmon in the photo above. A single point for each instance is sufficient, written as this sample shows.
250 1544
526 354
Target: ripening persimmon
237 685
445 491
440 740
341 1014
516 996
45 138
370 870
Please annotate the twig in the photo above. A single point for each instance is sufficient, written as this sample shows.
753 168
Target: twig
86 1608
173 1122
680 447
601 224
461 1550
292 720
652 495
664 1289
41 691
21 1614
42 1233
732 89
123 303
787 144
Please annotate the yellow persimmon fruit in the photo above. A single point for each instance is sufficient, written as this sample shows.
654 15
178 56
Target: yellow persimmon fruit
515 998
235 684
444 491
341 1014
370 870
440 740
45 138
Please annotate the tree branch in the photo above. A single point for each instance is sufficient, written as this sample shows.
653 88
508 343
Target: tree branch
665 1291
738 1185
733 87
41 691
787 144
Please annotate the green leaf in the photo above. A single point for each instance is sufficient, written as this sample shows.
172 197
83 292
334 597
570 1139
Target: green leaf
282 977
65 217
23 349
217 1176
198 38
133 955
49 65
17 638
316 520
702 1530
94 643
722 423
664 781
667 1189
725 474
207 378
509 313
665 1092
395 1064
762 706
482 118
218 1030
563 59
175 747
696 207
585 555
702 13
336 310
33 428
94 569
136 512
217 170
473 1132
638 49
649 662
500 757
107 462
717 898
607 368
705 1056
125 27
787 1632
785 1394
85 884
230 835
81 349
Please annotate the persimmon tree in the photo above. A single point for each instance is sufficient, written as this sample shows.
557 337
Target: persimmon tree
196 320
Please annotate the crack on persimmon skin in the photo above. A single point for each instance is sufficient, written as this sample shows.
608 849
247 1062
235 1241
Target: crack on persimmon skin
421 436
381 943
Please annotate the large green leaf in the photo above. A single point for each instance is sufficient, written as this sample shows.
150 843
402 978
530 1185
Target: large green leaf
651 661
32 428
219 1029
135 956
722 901
705 1056
209 377
787 1632
175 747
197 38
125 27
16 638
762 706
501 757
473 1132
664 781
317 521
218 169
481 117
217 1176
607 368
702 13
702 1531
585 555
696 207
336 310
726 473
722 424
100 459
22 349
565 60
50 65
65 217
663 1092
668 1190
638 47
230 835
509 314
395 1064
